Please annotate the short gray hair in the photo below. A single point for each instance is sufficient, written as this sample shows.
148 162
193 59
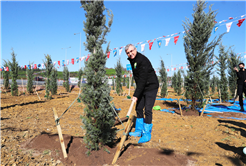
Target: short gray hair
128 45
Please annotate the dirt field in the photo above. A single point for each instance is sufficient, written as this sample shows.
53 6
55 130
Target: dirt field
29 135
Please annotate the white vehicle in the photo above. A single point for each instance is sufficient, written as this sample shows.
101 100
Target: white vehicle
73 80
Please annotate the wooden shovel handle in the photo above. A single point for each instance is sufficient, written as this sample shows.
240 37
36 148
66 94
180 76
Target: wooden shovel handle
130 109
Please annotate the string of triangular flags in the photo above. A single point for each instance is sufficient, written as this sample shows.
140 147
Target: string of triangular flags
150 42
176 36
180 66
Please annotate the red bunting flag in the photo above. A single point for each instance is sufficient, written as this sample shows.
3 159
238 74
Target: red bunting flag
230 18
25 67
35 66
215 22
59 63
150 45
176 39
7 68
108 54
149 41
182 67
240 22
87 58
168 70
72 60
174 68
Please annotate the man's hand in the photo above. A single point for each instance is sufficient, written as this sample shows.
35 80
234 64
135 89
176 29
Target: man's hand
135 98
235 68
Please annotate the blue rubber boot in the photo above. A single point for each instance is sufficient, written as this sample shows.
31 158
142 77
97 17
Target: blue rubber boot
138 128
146 135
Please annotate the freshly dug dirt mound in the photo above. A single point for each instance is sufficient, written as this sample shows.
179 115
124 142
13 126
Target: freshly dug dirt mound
131 154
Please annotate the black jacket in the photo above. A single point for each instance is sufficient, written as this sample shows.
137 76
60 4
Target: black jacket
144 74
241 75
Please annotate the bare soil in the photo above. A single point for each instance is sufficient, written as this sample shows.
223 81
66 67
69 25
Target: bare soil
29 135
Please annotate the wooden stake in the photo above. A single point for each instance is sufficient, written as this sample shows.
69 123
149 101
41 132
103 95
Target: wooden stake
180 108
60 135
204 108
36 91
123 138
129 83
220 95
22 86
130 109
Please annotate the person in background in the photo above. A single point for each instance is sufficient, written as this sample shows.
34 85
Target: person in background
241 83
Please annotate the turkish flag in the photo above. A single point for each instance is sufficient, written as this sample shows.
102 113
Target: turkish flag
72 60
87 58
150 45
108 54
35 66
176 39
59 63
240 22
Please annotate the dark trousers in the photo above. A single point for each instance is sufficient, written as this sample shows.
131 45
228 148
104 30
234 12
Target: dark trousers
240 90
146 100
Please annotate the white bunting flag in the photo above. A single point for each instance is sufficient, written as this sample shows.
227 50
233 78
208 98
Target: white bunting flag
244 56
228 26
31 66
67 62
167 41
142 47
54 63
120 51
83 58
42 65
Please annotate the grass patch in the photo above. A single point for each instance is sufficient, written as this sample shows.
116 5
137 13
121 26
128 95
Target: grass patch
47 151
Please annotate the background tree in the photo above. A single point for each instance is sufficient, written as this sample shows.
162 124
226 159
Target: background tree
113 84
53 83
163 79
132 81
124 81
48 69
30 77
213 84
232 62
99 117
179 83
118 70
222 66
174 82
14 74
197 49
66 78
80 75
5 75
206 85
127 82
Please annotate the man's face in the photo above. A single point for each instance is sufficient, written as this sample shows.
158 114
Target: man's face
131 52
241 66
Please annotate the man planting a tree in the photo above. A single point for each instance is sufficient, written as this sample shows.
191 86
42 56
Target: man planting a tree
145 93
241 83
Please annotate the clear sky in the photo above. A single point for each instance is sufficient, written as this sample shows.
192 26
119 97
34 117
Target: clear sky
35 28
